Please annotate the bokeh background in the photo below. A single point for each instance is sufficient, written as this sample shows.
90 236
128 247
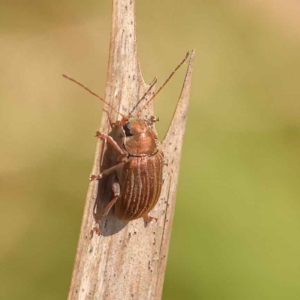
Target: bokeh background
236 233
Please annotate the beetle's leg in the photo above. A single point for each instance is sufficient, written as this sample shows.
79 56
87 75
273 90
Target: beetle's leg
122 158
148 218
116 192
110 140
102 152
107 171
153 119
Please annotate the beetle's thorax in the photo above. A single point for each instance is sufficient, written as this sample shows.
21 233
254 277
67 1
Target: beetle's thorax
139 138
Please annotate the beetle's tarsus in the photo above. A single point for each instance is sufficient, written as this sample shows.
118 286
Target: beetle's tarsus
149 219
96 229
96 177
154 119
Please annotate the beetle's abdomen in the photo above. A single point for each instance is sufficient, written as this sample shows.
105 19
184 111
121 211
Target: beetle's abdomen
140 182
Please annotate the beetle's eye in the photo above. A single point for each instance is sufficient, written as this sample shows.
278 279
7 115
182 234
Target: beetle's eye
127 129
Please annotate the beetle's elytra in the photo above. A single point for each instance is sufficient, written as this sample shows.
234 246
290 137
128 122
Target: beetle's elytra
140 164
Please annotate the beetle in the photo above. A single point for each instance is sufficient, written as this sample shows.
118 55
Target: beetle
139 169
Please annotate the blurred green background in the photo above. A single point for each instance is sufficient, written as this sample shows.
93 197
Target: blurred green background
237 222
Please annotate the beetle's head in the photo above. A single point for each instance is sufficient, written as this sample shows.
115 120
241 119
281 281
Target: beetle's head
138 137
135 126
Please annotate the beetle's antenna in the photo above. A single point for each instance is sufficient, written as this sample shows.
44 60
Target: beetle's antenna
94 94
171 75
144 96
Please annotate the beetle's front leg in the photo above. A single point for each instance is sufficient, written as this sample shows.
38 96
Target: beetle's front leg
110 140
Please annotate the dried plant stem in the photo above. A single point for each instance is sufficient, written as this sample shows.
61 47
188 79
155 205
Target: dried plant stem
128 260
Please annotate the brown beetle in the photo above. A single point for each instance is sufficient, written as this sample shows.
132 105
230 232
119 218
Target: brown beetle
139 170
140 165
